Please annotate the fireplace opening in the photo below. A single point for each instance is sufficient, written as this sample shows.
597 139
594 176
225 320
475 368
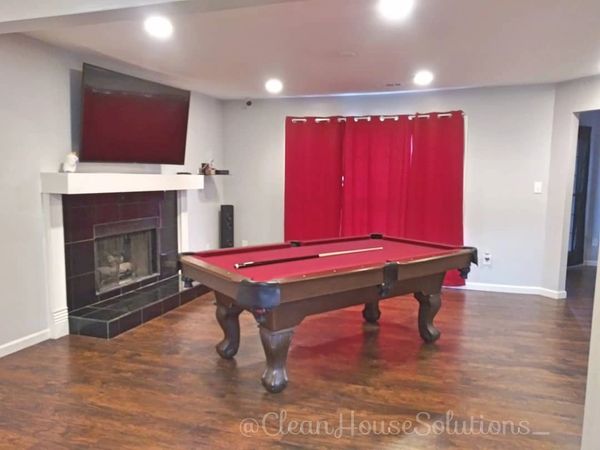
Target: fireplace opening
124 259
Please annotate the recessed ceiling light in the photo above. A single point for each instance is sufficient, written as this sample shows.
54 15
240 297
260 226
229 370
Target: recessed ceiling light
395 9
158 27
423 78
274 86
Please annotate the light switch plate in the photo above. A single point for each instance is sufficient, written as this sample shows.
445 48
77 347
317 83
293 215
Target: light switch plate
537 187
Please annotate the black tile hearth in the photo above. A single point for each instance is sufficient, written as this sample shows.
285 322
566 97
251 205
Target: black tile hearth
90 327
171 303
152 311
187 296
130 321
130 287
104 315
109 318
81 291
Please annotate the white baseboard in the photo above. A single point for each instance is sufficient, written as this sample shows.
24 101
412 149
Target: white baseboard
27 341
513 289
591 262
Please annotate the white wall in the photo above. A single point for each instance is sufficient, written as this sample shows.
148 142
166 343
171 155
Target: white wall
508 145
34 135
204 143
592 220
36 83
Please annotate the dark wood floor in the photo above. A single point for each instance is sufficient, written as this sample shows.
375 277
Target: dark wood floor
501 357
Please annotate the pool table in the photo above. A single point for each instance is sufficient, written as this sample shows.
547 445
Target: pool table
281 284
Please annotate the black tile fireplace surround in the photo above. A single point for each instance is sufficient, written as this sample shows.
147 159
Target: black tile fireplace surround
90 218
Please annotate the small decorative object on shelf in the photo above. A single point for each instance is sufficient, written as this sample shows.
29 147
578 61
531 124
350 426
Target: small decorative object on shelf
69 164
209 169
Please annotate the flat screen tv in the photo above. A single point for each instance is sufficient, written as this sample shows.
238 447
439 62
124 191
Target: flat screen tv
130 120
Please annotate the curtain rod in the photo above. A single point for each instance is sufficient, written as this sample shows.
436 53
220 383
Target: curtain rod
381 117
428 115
318 119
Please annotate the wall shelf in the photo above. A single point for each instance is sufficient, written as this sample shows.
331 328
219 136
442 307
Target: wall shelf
100 183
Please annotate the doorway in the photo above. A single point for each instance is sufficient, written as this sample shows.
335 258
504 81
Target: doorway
580 194
585 210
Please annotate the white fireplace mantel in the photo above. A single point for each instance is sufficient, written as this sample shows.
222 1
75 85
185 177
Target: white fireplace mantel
100 183
55 185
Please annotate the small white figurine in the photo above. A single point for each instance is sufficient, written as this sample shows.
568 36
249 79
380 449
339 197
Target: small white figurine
70 162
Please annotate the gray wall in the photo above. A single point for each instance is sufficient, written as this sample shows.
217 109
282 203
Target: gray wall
36 82
508 147
35 134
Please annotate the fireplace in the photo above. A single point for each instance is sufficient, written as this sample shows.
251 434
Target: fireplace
72 204
125 253
121 261
117 243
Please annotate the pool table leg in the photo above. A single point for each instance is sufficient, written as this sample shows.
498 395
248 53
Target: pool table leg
276 345
429 305
228 318
371 312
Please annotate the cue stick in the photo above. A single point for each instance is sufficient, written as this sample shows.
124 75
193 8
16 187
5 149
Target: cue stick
243 265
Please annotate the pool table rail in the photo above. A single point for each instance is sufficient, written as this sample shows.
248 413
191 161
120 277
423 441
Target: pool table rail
252 294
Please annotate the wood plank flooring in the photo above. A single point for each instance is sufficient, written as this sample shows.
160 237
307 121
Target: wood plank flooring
501 358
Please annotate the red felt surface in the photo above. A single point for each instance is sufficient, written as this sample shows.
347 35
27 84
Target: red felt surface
392 251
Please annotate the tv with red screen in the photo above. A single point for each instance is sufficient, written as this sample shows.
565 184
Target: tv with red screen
130 120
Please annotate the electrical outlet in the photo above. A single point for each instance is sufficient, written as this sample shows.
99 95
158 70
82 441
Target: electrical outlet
207 246
244 243
595 242
487 259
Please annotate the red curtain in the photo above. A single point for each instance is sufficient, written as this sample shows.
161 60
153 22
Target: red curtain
376 161
435 182
313 174
401 177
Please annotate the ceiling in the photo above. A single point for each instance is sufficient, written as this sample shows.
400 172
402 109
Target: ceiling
321 47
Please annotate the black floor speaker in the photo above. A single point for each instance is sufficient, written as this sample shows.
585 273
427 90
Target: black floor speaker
226 226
